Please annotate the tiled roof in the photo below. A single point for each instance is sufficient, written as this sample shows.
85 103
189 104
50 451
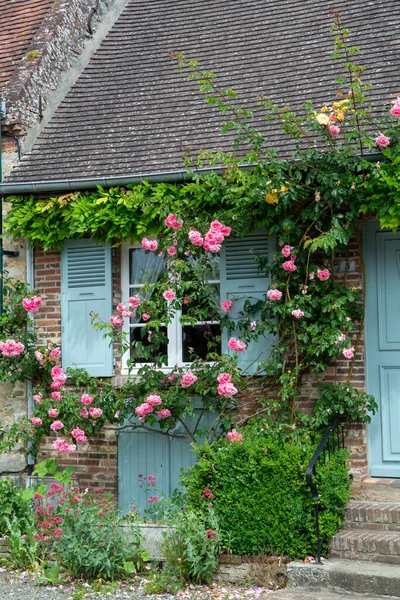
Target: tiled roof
20 19
131 111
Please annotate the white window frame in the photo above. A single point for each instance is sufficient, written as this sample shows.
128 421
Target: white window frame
174 329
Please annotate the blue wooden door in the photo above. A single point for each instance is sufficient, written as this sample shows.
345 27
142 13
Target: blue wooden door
382 255
142 453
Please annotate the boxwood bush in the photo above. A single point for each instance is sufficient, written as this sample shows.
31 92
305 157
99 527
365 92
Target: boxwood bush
259 493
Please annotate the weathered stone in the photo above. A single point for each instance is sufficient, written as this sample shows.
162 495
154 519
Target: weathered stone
12 462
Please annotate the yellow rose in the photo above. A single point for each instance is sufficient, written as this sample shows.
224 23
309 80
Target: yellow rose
340 115
272 197
322 119
336 105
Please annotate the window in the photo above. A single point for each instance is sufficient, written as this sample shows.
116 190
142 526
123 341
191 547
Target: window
235 276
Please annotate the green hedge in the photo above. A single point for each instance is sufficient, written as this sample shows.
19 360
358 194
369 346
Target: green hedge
261 499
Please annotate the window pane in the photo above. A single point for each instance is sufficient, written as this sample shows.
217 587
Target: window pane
144 266
196 339
140 334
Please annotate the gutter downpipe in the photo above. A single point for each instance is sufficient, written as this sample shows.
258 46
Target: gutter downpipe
29 382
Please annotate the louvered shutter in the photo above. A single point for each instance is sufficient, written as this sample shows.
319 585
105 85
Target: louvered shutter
86 286
241 279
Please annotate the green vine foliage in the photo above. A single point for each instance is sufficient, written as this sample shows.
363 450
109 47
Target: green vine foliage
310 201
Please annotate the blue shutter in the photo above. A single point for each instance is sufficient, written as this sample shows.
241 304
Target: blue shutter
86 286
241 279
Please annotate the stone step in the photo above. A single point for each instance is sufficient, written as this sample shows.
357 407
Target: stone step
382 516
351 576
367 545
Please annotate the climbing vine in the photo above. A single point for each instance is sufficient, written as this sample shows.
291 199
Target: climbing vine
311 202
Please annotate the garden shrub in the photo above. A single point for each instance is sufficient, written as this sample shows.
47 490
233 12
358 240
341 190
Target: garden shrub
259 493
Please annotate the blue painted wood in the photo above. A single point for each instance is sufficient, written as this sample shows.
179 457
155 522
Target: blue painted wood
86 286
382 256
142 453
241 280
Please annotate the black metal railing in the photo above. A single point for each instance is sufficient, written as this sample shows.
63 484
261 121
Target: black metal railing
332 440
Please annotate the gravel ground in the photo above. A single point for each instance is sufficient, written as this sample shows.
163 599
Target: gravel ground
20 586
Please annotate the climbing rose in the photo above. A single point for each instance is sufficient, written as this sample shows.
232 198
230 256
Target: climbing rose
62 445
164 413
56 396
297 313
208 494
116 320
11 348
274 294
153 400
145 317
172 251
169 295
348 353
79 435
55 353
144 409
32 304
382 141
253 325
210 534
226 389
188 379
53 413
134 301
341 337
56 425
195 237
286 250
95 412
224 378
289 266
226 305
322 118
334 130
323 275
39 356
84 413
395 110
236 345
86 399
234 436
151 245
172 223
36 421
37 398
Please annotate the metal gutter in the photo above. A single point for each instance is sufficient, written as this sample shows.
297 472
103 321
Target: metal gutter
7 189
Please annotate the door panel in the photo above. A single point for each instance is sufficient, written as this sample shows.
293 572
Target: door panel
382 256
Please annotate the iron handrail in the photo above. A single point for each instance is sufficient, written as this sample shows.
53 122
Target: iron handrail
332 439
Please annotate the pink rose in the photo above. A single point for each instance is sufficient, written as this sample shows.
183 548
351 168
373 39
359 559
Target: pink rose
289 266
214 237
253 325
214 248
32 304
169 295
323 275
56 396
274 294
116 320
395 110
53 413
79 435
334 130
86 399
154 400
121 306
297 313
11 348
172 223
84 413
234 436
38 356
95 413
286 250
55 353
172 377
226 305
382 141
37 398
195 237
56 425
234 344
145 317
188 379
134 301
348 353
172 251
224 378
226 389
144 409
36 421
164 413
311 276
151 245
62 445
